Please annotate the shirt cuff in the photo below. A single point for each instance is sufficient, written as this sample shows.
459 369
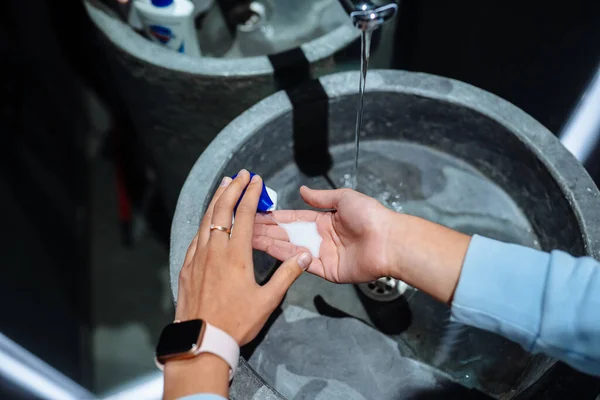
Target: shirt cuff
203 396
501 289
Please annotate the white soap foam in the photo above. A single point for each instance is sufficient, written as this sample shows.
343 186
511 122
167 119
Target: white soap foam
304 234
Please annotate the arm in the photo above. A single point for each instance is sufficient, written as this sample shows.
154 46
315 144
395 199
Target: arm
546 302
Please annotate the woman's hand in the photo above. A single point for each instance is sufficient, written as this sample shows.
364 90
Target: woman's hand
217 281
355 246
217 284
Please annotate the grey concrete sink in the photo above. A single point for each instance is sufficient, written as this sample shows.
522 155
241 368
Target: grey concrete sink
178 103
432 147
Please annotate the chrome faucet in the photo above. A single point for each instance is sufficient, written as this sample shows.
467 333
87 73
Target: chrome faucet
368 15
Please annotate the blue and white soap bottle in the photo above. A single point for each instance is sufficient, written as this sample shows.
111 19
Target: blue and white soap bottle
170 23
268 197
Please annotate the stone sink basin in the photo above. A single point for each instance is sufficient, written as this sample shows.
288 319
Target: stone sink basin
432 147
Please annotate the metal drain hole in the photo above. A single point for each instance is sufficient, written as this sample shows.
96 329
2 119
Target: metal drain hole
383 289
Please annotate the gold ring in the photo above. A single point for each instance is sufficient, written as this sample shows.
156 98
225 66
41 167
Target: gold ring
220 228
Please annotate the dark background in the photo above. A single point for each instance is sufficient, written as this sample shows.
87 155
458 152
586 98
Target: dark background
538 55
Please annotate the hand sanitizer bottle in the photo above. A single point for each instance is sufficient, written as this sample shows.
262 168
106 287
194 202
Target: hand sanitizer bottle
268 197
170 23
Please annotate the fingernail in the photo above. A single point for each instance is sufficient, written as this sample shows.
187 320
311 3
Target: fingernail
226 181
243 171
304 260
255 179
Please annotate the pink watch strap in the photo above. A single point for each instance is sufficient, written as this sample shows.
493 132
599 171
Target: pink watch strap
219 343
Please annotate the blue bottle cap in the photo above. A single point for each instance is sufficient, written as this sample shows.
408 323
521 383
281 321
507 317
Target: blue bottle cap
162 3
265 203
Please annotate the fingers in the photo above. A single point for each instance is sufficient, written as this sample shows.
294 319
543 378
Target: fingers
279 249
322 198
245 215
285 216
271 231
265 218
285 275
189 256
223 210
204 228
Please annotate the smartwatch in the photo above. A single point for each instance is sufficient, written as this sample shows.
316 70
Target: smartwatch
188 339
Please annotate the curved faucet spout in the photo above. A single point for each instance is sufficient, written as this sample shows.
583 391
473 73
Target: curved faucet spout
368 15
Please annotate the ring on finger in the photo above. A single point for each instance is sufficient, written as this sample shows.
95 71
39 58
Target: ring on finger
220 228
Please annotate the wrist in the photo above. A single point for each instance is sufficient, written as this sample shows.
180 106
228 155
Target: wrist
205 373
427 256
398 247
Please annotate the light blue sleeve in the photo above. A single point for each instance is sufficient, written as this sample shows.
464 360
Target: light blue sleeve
203 396
546 302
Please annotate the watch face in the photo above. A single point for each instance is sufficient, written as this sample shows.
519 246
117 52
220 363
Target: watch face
179 337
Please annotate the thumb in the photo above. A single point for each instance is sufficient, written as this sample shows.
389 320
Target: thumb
286 274
322 198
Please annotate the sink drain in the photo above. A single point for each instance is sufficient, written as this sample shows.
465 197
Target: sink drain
383 289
